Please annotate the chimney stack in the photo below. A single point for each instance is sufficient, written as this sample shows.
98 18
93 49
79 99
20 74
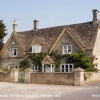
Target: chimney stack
95 16
15 27
35 25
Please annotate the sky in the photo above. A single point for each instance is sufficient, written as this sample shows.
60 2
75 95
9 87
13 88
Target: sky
49 13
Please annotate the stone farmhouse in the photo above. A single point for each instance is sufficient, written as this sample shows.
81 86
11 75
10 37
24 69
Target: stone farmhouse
65 39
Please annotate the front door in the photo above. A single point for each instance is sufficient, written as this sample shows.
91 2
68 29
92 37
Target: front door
47 68
21 76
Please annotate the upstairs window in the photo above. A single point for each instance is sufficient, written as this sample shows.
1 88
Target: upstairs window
36 48
13 52
67 49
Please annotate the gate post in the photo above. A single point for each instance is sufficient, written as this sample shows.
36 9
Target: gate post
28 72
14 75
78 76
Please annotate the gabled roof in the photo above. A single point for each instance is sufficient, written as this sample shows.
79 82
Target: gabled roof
83 33
39 40
49 59
68 31
8 42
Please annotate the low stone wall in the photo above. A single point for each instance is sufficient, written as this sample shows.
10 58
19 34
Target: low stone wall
52 78
91 77
4 77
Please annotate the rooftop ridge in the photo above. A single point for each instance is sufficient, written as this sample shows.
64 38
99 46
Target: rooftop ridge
55 27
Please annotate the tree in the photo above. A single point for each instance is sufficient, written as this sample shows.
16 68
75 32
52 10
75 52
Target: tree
2 33
24 64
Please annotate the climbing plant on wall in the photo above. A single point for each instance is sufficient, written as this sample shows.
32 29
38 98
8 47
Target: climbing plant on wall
37 58
80 59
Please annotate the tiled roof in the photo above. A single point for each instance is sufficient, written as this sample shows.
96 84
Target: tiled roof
85 33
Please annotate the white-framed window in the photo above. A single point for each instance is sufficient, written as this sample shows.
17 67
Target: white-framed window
36 48
66 67
36 67
13 66
13 52
67 49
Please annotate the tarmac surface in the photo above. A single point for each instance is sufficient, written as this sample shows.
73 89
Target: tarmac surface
20 91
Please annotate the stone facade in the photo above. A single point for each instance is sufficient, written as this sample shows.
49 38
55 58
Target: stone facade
12 44
66 39
96 50
6 59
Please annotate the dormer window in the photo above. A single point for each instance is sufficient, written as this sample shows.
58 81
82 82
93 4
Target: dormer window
13 52
36 48
67 49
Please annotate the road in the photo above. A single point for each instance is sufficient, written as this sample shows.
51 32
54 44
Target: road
19 91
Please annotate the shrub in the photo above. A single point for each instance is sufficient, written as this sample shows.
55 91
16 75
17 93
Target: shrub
91 69
80 59
24 64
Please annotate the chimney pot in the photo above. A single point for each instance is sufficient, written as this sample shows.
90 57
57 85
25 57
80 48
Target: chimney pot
35 25
95 16
15 27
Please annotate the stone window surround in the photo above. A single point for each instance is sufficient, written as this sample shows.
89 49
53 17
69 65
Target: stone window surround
13 52
63 67
67 49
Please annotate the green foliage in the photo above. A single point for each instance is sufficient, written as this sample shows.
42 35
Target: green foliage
91 69
2 30
24 64
37 58
5 70
58 58
80 59
2 33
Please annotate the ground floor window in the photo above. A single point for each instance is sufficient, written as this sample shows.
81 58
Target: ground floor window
66 67
13 66
36 67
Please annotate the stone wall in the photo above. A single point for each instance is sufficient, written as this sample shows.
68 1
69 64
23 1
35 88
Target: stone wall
4 77
52 78
91 77
66 39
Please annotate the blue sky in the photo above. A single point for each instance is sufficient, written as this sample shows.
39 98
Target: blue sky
48 12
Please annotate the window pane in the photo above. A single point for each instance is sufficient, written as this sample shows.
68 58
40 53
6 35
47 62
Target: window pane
70 68
66 68
69 49
62 68
65 49
14 51
36 48
36 67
